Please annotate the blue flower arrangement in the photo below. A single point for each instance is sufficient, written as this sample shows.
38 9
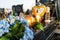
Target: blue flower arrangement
4 27
17 30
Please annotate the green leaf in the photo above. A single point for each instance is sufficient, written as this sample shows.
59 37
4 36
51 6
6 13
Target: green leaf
4 38
16 30
40 27
12 13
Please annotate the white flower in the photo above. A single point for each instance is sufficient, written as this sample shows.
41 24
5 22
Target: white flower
1 32
1 25
12 21
17 17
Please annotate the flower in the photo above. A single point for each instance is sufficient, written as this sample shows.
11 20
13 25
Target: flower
1 32
4 27
12 19
28 34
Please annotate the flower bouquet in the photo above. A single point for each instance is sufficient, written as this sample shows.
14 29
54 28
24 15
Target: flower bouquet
15 29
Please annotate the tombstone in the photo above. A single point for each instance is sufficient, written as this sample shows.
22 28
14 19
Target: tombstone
2 10
17 9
